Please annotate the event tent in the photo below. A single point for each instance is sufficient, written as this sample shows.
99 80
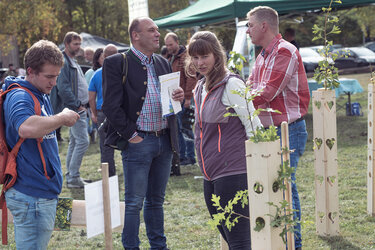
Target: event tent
205 12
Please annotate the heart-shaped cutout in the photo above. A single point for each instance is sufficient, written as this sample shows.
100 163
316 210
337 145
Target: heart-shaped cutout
331 180
332 216
330 104
318 142
319 178
318 104
330 143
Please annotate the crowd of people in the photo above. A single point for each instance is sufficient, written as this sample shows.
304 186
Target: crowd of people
121 96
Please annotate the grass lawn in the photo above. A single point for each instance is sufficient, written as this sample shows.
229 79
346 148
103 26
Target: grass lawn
186 215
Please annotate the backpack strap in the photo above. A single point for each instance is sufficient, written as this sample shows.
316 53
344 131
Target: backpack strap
16 148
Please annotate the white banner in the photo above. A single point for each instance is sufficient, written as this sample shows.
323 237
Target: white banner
137 8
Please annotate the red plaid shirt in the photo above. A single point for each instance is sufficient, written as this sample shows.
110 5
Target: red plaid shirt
279 70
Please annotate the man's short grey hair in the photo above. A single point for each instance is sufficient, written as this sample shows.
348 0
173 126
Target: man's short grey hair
265 14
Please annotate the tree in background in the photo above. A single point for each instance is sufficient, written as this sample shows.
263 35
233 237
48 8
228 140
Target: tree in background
29 21
366 20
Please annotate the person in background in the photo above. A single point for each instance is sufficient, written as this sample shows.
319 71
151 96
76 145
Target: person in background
177 55
164 52
80 57
219 140
290 36
10 72
97 62
21 72
33 198
279 71
137 127
89 55
97 115
72 92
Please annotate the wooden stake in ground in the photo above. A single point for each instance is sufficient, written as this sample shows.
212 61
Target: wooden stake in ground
223 244
370 157
288 191
106 208
325 152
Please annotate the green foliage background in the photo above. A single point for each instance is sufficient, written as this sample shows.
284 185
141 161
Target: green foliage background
32 20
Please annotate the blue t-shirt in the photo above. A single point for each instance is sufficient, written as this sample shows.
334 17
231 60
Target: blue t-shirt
18 107
96 86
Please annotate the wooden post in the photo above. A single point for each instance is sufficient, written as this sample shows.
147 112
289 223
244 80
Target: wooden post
288 191
263 163
106 208
370 156
325 152
223 244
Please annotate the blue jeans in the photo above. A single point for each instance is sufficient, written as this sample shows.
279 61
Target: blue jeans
107 154
78 144
186 144
147 166
227 187
34 219
297 141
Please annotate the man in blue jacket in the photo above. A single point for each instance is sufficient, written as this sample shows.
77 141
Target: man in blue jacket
72 92
33 198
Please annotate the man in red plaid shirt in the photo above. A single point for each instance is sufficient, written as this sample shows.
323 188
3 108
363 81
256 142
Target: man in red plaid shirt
279 71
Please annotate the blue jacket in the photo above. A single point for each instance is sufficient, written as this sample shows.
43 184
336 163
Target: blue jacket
19 106
65 93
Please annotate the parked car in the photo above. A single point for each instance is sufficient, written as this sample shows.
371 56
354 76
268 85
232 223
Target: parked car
342 62
370 45
310 58
317 48
357 53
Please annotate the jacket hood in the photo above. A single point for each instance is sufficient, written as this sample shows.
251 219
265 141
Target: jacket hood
181 50
21 81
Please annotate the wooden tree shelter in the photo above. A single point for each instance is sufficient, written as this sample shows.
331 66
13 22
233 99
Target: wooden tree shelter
263 163
325 152
371 154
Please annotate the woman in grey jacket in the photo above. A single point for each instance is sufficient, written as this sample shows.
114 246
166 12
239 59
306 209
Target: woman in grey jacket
219 140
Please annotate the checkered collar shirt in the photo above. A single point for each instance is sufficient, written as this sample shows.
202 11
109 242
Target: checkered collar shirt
280 72
150 118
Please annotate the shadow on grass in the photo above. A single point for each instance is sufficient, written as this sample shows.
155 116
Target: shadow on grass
339 243
77 193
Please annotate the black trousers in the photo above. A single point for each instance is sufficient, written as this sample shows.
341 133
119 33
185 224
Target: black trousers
226 188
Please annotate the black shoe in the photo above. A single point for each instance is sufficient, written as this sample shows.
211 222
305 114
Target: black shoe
187 162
